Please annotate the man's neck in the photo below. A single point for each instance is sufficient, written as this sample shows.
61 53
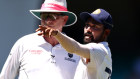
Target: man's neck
51 40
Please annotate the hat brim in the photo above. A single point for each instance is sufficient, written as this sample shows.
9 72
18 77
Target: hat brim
71 20
85 15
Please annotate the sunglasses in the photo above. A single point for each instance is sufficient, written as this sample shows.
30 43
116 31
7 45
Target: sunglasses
52 16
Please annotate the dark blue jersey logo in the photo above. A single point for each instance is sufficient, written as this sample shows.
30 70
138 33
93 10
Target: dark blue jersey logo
70 55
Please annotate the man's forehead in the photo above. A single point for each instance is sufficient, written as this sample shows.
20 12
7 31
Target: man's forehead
91 20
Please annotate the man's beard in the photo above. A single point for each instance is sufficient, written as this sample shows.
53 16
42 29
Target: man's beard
88 38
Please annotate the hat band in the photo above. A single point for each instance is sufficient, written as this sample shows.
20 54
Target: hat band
52 6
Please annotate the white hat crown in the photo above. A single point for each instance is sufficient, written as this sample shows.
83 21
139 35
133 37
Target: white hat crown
59 2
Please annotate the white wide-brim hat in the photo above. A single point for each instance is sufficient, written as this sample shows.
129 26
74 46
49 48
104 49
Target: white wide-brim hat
56 6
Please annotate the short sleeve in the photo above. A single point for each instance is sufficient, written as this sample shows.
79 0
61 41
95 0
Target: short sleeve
11 66
97 54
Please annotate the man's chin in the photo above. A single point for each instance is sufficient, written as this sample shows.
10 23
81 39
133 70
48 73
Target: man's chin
87 41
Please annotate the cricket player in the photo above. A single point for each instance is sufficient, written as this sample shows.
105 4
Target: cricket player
96 61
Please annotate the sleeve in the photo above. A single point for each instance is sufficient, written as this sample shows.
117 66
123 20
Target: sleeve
11 66
97 55
72 46
93 51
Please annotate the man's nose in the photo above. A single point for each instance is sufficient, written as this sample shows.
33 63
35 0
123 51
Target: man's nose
88 29
47 21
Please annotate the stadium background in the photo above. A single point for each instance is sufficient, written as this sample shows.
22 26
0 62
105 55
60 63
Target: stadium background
16 21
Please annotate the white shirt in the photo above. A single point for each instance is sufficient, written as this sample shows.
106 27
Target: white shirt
100 65
33 58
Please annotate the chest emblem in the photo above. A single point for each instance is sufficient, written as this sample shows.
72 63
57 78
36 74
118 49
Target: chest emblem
69 58
38 52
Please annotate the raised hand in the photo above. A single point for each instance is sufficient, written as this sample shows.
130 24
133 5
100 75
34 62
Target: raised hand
46 31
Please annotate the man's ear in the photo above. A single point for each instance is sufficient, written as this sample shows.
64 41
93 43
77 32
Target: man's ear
66 18
107 32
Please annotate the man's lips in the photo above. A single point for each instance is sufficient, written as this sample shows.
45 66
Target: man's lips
88 37
47 26
88 34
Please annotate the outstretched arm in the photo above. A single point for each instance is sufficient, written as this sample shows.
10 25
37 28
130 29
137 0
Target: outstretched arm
68 43
72 46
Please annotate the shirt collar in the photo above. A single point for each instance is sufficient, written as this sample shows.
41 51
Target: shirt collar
104 43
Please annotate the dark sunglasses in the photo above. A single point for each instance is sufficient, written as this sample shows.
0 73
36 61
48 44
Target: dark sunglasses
52 16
